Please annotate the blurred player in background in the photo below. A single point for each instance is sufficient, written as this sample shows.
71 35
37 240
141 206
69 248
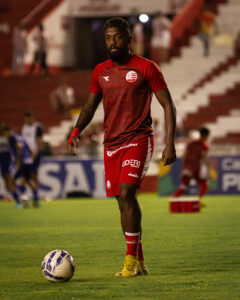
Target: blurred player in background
126 82
4 159
21 164
32 133
195 161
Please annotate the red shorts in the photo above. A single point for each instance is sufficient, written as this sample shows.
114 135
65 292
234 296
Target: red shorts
188 174
127 164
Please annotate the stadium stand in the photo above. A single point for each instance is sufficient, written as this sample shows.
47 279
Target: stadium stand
30 13
19 94
210 93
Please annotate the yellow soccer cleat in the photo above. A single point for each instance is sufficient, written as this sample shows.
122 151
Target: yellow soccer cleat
142 268
130 268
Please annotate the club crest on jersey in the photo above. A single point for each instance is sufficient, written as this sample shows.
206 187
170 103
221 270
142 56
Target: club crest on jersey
131 76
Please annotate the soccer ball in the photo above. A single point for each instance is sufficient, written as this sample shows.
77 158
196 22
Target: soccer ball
58 266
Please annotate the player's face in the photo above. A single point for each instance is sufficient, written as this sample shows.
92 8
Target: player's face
117 42
28 120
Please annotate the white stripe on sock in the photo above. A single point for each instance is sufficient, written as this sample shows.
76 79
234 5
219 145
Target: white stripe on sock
132 234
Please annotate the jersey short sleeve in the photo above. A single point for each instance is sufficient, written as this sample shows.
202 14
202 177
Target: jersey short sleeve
95 87
205 147
155 77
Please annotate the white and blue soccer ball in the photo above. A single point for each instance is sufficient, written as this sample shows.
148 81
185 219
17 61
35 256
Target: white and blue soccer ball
58 266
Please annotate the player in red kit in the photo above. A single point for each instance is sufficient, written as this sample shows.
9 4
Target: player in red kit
194 158
126 83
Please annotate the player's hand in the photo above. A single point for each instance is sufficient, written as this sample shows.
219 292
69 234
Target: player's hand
168 155
73 145
73 141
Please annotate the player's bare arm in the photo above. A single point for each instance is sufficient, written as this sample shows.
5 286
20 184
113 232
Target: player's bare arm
165 99
19 156
38 148
84 119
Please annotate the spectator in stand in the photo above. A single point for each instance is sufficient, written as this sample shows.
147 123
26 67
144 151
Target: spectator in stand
207 24
161 38
195 164
19 49
138 39
40 53
62 98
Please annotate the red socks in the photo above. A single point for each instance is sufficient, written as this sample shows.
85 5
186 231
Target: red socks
203 186
178 192
132 243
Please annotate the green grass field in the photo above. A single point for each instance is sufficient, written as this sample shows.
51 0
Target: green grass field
189 256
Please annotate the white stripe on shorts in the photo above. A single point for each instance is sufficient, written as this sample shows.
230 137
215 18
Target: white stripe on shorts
148 159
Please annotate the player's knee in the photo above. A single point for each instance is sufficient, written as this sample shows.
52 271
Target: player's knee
127 192
127 197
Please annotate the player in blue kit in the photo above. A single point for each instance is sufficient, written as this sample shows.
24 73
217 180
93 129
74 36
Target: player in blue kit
32 133
21 164
4 157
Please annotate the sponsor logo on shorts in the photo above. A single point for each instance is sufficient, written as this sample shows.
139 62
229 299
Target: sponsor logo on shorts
108 184
133 175
131 242
110 153
131 162
131 76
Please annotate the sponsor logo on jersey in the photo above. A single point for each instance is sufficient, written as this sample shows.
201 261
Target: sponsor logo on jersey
131 76
132 162
133 175
106 78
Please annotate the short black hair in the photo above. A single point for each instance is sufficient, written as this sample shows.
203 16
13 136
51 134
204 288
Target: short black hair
27 114
204 131
119 23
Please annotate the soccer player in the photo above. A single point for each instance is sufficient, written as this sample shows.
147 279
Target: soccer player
194 158
4 157
32 133
21 163
126 82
